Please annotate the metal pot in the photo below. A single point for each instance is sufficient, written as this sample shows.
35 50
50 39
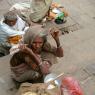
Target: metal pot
51 77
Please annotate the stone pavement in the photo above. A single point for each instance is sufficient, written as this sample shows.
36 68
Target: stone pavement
79 52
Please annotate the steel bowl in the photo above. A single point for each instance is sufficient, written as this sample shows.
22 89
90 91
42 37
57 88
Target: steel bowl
51 77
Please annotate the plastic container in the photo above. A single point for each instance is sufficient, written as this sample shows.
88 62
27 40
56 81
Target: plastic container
60 16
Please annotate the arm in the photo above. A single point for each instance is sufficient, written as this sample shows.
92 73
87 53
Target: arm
42 65
59 50
31 53
45 67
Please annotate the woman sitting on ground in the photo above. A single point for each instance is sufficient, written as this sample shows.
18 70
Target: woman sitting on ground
29 64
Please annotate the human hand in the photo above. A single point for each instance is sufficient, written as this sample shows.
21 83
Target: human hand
24 47
45 67
54 33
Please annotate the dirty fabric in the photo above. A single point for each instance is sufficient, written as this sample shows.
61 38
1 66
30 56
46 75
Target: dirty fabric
24 68
36 10
41 9
35 89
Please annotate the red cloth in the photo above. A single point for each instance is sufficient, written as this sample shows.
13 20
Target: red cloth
72 86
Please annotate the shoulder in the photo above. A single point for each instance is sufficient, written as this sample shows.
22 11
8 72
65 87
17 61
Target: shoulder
19 19
2 23
3 26
48 47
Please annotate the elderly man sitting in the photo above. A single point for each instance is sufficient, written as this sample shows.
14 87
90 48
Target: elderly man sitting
12 27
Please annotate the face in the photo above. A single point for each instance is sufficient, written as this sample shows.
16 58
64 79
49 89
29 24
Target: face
37 44
11 22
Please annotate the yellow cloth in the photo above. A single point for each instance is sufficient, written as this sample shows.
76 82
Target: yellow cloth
14 39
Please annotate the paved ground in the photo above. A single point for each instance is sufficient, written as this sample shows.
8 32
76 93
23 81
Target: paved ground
79 52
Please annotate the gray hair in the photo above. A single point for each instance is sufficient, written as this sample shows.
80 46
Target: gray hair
11 15
33 32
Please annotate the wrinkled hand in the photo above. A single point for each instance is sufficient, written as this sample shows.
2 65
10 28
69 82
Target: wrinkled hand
24 47
55 33
45 67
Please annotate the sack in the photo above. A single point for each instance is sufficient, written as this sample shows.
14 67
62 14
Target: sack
37 89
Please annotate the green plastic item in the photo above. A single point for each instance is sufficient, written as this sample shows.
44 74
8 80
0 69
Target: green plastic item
60 16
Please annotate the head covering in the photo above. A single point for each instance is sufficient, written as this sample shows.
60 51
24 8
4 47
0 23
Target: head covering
33 32
10 15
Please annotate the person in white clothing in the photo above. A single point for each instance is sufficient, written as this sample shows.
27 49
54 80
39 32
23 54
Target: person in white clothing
12 28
